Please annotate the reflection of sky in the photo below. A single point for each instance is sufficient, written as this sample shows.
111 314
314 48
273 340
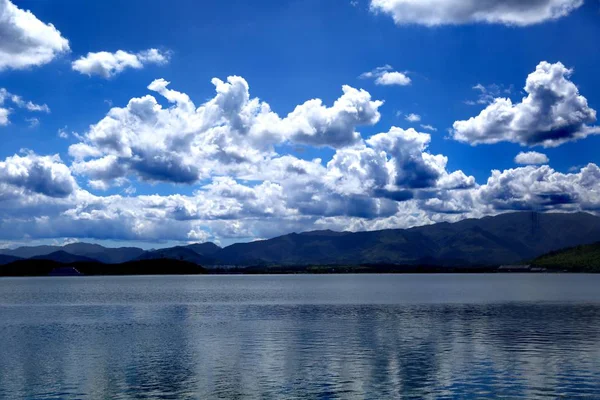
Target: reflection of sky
163 344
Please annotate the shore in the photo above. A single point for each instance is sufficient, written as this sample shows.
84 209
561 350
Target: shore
181 268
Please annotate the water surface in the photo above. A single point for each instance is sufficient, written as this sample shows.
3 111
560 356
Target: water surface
337 336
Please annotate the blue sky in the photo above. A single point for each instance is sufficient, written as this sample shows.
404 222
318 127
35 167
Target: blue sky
287 53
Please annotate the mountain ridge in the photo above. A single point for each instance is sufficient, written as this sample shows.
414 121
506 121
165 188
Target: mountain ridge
493 240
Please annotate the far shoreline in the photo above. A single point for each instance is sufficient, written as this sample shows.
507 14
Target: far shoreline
67 271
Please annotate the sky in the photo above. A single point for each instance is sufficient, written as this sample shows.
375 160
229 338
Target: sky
152 123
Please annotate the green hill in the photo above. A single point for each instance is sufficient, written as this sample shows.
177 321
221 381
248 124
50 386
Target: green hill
584 258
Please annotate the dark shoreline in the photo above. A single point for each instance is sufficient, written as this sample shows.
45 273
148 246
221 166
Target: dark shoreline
40 268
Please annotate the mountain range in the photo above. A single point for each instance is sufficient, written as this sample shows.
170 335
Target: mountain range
502 239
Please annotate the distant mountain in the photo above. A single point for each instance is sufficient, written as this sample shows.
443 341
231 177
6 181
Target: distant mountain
584 258
93 251
506 238
30 251
104 254
178 253
64 258
204 249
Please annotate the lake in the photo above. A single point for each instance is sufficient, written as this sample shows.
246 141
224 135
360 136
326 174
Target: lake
526 336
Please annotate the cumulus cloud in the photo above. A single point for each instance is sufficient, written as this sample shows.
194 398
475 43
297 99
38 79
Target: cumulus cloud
45 175
455 12
17 101
364 182
25 41
386 76
368 179
542 188
552 113
230 134
357 170
317 125
394 165
411 166
531 158
108 65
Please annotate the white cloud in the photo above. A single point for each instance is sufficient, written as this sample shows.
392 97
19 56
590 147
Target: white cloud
393 78
386 76
33 122
454 12
410 165
108 65
227 209
62 133
360 183
542 188
246 190
429 128
25 40
45 175
487 94
153 56
231 137
314 124
531 158
230 134
357 170
393 165
6 96
413 117
19 102
552 113
29 106
4 116
197 234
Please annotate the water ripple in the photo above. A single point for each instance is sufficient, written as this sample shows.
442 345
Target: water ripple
305 338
